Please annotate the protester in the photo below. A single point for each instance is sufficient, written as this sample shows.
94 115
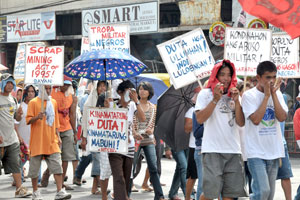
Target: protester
198 134
101 170
191 174
144 138
67 119
264 108
9 144
285 170
219 109
179 177
296 124
23 130
122 163
45 141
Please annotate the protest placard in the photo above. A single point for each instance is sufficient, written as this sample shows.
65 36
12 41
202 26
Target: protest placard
116 36
85 45
107 130
44 65
246 48
19 69
285 55
187 58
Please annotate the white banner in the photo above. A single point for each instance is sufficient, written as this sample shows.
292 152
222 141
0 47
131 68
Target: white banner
142 18
31 27
107 130
246 48
44 65
85 45
187 57
285 54
110 36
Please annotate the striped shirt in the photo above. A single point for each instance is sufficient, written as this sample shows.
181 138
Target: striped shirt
141 127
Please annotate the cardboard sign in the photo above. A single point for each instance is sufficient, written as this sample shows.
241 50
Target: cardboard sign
107 130
44 65
19 70
285 54
187 58
246 48
85 45
115 37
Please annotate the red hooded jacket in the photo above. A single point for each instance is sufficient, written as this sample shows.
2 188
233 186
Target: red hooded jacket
213 81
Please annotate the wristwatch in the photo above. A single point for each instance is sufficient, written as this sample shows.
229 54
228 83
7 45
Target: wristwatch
137 103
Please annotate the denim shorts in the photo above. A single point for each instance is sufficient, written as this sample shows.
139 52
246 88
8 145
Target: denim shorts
95 164
285 171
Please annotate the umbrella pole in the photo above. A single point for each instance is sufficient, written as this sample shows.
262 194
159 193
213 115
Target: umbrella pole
108 89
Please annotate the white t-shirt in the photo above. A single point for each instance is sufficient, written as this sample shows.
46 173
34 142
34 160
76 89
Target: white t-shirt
262 141
23 128
219 136
189 114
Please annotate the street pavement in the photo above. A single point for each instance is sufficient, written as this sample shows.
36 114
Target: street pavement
83 192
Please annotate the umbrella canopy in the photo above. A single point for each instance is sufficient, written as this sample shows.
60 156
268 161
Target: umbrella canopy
158 85
171 108
2 67
95 64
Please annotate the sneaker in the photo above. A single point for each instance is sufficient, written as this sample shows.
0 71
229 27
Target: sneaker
22 192
62 194
37 195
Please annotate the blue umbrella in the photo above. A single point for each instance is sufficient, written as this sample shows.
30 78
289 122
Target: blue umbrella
158 85
95 64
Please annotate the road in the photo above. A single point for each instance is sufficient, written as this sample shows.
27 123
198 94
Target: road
83 192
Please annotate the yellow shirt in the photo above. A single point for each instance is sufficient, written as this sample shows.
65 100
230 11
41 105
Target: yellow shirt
43 138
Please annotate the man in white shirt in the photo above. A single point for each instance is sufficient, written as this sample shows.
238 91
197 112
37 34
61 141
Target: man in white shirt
218 107
264 108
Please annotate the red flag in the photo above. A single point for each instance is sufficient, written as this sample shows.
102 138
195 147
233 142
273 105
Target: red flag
284 14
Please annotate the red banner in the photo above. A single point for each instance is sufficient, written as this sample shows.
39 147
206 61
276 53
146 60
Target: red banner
284 14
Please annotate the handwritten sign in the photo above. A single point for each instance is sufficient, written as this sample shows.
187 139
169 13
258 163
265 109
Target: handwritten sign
44 65
19 70
187 58
246 48
109 37
85 45
107 130
285 54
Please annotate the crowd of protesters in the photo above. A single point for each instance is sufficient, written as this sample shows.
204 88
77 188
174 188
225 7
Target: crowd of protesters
236 137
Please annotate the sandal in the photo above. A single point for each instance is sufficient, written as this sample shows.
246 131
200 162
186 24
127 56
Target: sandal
67 187
134 189
97 192
147 188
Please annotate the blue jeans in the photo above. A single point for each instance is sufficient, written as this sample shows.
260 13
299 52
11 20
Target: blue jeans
264 173
84 162
150 154
297 197
198 160
179 178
